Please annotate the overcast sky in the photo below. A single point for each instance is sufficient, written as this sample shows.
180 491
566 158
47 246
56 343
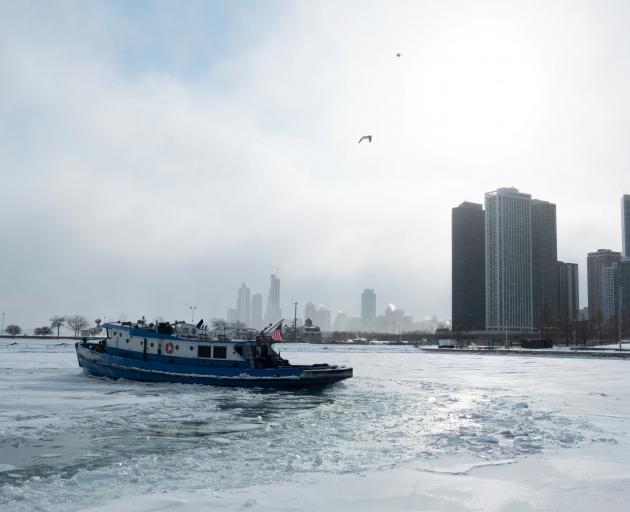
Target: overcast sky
154 155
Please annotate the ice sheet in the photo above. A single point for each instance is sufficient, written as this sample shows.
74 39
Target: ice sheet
409 430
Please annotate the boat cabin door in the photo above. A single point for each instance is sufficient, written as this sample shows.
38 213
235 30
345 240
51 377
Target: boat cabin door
249 353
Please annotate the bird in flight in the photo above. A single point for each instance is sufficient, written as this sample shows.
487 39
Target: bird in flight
399 55
365 137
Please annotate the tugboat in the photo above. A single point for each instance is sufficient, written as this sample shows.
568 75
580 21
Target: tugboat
191 354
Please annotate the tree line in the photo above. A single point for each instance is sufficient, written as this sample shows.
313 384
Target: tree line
76 323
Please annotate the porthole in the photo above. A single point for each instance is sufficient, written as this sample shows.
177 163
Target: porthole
151 343
191 347
176 347
127 340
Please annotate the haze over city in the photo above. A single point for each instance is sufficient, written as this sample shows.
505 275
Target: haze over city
154 156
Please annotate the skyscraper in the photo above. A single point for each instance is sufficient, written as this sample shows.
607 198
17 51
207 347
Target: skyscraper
257 308
232 315
508 260
623 287
243 305
608 287
595 261
468 268
544 264
368 309
323 318
625 225
309 312
273 313
569 291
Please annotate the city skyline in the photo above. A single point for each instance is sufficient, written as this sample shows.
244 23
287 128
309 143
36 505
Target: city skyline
174 155
323 317
518 276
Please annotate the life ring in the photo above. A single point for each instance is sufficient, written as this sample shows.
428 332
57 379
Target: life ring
168 347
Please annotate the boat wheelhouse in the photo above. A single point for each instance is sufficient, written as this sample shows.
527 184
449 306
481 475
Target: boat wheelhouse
189 353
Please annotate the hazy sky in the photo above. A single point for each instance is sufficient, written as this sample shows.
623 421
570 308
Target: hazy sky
154 155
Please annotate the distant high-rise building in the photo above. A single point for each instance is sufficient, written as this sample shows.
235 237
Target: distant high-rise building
309 312
615 297
323 318
368 309
243 305
595 261
544 264
508 261
273 313
625 224
257 309
623 287
468 268
608 287
569 291
232 315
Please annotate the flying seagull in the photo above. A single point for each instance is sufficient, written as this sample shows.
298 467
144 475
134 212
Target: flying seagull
365 137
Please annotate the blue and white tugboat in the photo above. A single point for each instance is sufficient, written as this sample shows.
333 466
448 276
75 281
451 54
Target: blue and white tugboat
191 354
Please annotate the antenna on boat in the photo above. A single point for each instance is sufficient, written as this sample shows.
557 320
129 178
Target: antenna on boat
271 327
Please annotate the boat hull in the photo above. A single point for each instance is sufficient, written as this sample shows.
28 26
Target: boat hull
102 364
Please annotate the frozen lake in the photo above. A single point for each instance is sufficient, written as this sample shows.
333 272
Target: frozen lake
411 431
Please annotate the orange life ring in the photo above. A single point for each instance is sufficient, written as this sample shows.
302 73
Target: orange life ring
168 347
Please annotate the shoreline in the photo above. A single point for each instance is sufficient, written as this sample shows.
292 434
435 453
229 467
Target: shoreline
588 353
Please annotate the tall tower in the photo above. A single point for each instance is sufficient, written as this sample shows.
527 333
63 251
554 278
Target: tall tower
323 317
243 305
623 289
569 291
625 225
544 264
595 262
608 300
273 313
257 308
309 312
508 260
468 268
368 309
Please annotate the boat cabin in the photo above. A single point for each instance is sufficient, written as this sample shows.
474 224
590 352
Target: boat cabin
188 344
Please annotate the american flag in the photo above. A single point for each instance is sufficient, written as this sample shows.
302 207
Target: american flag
276 335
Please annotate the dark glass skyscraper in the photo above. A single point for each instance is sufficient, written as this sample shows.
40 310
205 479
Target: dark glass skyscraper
544 264
468 268
623 290
625 224
569 292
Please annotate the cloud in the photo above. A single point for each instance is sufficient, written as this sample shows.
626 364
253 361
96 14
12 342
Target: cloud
134 181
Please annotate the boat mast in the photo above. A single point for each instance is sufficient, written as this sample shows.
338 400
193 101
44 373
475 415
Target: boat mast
295 321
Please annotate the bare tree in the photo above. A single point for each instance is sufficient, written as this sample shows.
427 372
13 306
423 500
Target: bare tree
76 323
43 331
13 330
56 322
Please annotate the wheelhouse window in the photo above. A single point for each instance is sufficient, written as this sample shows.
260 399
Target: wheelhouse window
204 351
220 352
